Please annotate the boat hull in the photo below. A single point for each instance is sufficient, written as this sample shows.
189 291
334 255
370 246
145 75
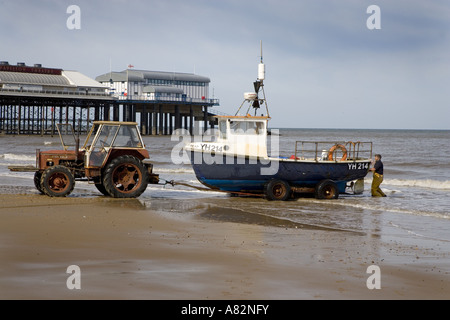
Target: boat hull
244 174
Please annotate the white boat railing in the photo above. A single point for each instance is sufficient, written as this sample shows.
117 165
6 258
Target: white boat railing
333 151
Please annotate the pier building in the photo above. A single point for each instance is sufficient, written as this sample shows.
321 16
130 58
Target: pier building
164 101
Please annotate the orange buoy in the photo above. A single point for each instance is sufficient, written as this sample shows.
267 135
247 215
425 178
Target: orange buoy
336 147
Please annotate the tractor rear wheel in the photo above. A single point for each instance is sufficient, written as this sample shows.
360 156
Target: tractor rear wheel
57 181
125 177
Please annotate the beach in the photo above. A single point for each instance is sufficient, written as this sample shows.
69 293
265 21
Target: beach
179 243
125 249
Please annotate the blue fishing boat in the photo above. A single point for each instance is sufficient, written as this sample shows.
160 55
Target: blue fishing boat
235 158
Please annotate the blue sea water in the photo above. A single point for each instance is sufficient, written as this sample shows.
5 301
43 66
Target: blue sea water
416 181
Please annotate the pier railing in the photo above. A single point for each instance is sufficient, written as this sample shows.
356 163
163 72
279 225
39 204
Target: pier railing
333 151
186 100
51 93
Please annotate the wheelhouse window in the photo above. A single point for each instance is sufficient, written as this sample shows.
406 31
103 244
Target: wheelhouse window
223 129
246 127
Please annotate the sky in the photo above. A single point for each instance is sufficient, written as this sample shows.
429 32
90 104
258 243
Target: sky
325 68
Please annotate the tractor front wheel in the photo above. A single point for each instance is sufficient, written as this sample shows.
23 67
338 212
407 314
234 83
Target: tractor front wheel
57 181
37 181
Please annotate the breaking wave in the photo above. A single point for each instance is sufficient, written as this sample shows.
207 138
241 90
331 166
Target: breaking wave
174 170
420 183
426 183
17 157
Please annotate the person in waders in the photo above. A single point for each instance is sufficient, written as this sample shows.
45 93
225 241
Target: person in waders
377 177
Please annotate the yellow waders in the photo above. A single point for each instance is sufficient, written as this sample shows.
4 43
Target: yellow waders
377 180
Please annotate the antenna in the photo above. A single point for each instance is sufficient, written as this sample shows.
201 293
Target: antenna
253 97
259 85
261 67
260 43
110 70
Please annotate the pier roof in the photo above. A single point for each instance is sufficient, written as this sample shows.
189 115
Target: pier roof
38 76
142 75
21 78
80 80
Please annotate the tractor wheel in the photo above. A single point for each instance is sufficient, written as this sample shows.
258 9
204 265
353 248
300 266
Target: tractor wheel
326 189
125 177
37 181
278 190
57 181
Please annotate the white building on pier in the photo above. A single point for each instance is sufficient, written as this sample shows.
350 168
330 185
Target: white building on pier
134 84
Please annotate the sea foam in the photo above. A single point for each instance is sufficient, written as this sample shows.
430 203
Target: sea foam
18 157
421 183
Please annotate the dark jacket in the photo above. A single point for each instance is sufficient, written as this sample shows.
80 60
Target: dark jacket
378 167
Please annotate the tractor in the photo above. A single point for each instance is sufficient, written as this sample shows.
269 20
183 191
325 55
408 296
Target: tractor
112 158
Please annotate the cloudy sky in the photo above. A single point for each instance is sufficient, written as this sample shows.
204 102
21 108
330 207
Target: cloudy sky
324 67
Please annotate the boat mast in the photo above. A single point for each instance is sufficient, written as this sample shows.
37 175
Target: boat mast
253 98
259 84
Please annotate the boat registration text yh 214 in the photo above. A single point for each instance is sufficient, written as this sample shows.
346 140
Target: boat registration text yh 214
358 166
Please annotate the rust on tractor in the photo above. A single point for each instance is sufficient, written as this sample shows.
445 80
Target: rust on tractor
54 157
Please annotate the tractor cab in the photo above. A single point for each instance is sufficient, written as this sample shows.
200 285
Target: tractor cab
106 137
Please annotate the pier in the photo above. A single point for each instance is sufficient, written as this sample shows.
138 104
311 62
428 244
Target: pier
34 99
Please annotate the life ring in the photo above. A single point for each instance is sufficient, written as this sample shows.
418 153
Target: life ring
334 148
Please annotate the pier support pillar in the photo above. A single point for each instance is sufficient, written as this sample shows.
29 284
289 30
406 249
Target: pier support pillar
166 123
155 120
144 120
191 121
205 118
177 118
115 113
150 123
161 120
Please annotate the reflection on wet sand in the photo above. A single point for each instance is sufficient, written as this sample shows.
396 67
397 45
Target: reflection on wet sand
240 216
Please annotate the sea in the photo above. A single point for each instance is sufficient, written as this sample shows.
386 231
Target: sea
416 182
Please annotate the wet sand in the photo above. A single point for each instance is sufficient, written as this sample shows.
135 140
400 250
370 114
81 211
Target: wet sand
127 250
